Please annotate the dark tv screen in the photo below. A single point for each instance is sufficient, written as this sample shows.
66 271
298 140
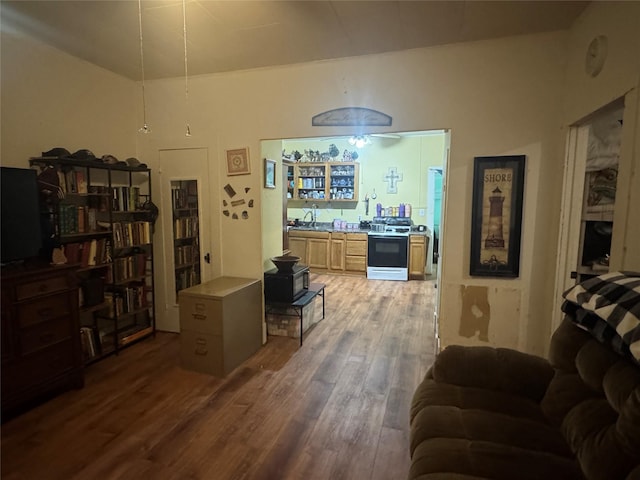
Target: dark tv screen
20 208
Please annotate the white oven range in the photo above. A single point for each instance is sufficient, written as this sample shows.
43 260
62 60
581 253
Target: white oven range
388 253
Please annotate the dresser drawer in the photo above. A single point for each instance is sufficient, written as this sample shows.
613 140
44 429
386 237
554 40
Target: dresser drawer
43 310
41 287
44 334
36 368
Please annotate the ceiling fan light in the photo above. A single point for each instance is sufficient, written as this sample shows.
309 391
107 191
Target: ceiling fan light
359 141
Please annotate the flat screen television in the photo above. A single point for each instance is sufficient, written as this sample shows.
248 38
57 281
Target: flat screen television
21 232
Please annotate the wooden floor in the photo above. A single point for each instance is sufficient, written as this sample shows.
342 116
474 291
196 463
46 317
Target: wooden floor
336 408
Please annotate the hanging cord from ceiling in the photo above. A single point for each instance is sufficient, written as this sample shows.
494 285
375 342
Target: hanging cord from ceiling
145 127
186 75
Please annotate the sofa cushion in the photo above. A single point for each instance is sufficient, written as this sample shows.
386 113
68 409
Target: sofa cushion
445 421
430 392
488 460
499 369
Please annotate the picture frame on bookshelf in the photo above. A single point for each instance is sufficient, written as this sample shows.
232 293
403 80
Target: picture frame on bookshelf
238 162
269 173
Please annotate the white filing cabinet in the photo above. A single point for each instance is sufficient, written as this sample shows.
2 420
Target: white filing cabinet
220 324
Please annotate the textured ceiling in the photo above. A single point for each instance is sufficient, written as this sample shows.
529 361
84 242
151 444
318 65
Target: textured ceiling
236 35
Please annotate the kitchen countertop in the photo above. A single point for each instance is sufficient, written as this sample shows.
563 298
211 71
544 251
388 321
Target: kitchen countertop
328 227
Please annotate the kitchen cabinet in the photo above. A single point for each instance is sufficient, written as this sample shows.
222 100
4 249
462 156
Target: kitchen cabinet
318 252
356 252
337 251
323 181
417 256
298 247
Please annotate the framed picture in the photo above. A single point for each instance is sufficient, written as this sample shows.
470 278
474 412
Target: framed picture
238 161
269 173
496 216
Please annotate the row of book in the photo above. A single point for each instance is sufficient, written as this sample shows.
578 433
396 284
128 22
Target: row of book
186 255
126 300
130 234
93 342
89 253
185 227
182 198
77 219
130 267
73 181
187 278
126 199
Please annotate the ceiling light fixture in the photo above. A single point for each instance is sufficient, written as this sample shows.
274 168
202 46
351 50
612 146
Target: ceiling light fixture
186 76
145 127
360 141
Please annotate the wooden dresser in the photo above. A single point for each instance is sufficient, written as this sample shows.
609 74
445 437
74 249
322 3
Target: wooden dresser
41 353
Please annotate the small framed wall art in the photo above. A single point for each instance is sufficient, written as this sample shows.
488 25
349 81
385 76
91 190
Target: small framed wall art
496 219
238 161
269 173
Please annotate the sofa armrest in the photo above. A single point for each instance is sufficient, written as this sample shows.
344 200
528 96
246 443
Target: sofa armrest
500 369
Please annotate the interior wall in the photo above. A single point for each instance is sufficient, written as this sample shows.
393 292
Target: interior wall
497 97
272 206
51 99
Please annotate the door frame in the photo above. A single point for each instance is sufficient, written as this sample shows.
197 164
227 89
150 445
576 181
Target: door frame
165 270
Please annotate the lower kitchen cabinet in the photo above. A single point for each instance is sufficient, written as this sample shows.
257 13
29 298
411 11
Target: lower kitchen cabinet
298 247
337 252
220 324
417 256
356 253
318 252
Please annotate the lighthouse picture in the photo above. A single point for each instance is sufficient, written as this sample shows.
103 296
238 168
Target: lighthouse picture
495 234
497 215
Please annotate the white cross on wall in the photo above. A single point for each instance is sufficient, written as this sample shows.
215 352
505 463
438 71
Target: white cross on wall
393 177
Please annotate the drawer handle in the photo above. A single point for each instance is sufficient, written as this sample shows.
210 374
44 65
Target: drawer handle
198 316
46 337
201 347
45 312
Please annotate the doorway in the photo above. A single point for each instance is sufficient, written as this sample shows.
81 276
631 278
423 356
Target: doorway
434 214
186 242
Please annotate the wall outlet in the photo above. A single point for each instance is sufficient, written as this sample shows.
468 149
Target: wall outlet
421 212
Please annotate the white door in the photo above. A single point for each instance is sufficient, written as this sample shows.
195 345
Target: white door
186 229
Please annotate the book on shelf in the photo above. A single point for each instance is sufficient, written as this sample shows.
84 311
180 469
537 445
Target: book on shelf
81 182
90 347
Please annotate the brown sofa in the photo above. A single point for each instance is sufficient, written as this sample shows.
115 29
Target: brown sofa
495 413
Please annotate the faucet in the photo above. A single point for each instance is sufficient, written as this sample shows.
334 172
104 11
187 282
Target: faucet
314 214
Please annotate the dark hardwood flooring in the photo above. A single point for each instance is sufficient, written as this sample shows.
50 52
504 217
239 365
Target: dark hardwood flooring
336 408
